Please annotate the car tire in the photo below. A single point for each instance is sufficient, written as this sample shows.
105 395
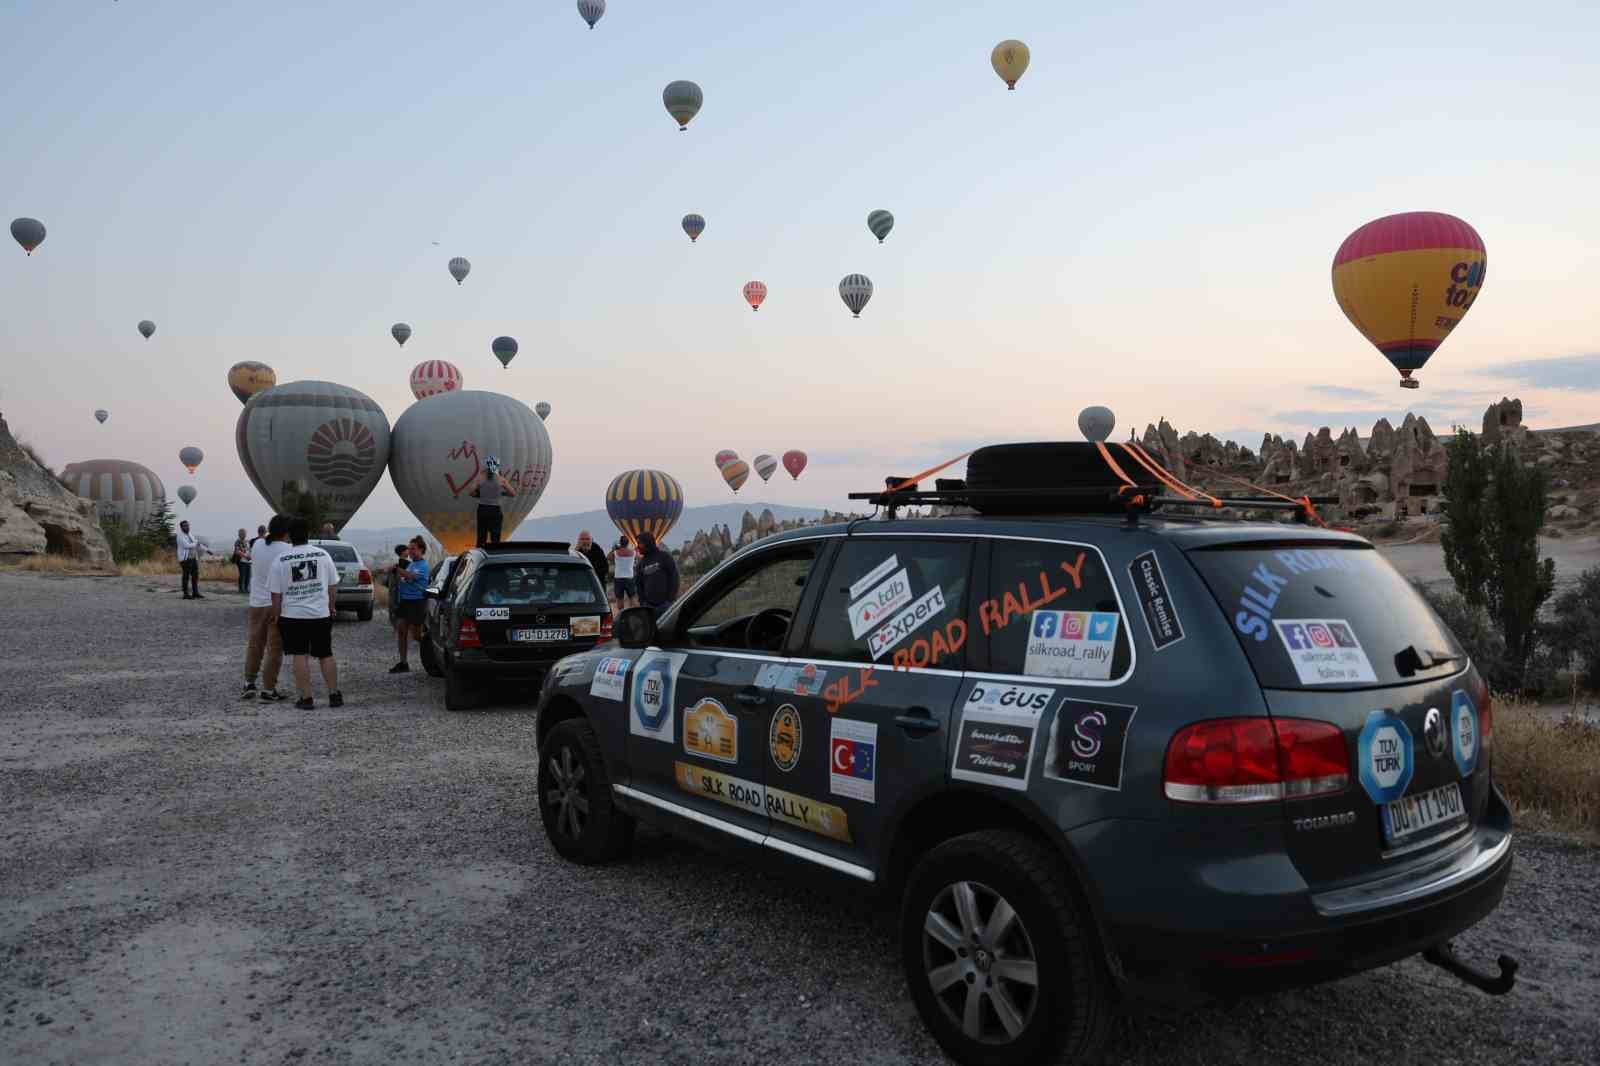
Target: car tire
1034 469
459 695
580 818
430 658
950 961
364 613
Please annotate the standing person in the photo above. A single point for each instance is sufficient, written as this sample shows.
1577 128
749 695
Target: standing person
658 575
490 490
622 557
189 561
304 586
413 597
328 532
241 560
391 581
594 553
262 637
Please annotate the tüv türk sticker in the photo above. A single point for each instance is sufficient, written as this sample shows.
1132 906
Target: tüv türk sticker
1324 651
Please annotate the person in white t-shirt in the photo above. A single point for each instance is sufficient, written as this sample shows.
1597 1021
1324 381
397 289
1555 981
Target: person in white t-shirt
304 584
189 561
622 557
261 631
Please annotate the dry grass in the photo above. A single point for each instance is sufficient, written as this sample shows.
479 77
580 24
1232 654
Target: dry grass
1549 767
54 564
212 571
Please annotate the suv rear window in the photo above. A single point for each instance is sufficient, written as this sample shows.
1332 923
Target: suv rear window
524 584
341 553
1326 616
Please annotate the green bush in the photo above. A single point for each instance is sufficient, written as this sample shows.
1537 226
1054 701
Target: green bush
127 546
1575 632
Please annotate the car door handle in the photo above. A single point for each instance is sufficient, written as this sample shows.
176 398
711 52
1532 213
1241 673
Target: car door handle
917 720
751 697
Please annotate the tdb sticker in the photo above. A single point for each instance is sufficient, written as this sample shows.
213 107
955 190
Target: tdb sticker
1464 732
1386 756
655 683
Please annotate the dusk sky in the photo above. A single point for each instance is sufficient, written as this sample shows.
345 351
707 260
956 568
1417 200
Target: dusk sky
1148 222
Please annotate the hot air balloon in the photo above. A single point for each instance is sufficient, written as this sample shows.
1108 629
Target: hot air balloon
644 501
147 328
683 100
1010 60
317 439
1096 423
591 10
880 223
794 462
1405 281
401 333
459 269
754 293
248 378
724 457
28 232
694 225
127 491
855 290
187 493
736 474
434 377
101 415
505 350
190 457
438 453
765 465
542 409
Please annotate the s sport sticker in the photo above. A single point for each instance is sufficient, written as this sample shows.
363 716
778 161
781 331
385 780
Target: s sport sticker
1464 732
873 576
907 622
801 812
879 604
853 759
785 738
994 745
1071 644
710 732
610 680
1160 617
655 684
492 614
1386 756
1087 743
1325 651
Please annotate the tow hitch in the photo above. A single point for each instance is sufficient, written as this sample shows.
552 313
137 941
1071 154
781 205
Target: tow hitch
1444 956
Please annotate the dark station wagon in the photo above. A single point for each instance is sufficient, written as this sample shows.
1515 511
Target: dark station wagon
1097 756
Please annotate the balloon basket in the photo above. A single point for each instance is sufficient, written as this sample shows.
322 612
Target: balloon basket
1407 383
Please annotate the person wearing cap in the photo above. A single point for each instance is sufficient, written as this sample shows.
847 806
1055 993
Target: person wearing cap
490 490
658 575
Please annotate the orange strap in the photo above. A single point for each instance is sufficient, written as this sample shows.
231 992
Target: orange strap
908 482
1145 460
1303 501
1105 453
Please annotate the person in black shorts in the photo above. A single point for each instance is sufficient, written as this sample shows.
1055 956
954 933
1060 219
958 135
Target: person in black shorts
490 491
304 586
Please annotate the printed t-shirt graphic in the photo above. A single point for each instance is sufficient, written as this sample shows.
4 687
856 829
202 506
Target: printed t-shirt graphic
303 576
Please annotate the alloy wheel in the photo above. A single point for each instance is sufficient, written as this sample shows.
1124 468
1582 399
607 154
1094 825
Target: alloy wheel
980 962
567 795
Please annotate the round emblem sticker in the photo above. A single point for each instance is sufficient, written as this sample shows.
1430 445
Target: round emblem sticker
784 738
1464 732
1384 751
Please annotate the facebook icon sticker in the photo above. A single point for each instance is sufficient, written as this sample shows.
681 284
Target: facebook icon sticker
1045 623
1294 635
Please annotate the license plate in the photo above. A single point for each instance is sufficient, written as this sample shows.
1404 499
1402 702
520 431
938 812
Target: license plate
539 636
1410 815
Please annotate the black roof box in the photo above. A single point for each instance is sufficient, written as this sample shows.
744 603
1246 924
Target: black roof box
1051 477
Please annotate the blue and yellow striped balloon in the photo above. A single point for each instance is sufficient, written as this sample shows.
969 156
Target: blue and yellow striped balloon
644 501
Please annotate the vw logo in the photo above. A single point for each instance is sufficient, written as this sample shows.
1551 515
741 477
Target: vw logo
1433 732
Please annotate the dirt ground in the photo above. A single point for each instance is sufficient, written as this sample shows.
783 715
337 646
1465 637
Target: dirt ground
190 878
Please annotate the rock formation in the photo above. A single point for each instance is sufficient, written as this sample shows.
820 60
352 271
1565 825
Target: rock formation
39 515
1420 462
1503 421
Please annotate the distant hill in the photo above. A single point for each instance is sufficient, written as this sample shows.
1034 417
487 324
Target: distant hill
567 526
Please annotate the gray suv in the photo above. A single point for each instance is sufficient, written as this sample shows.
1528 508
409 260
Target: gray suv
1096 757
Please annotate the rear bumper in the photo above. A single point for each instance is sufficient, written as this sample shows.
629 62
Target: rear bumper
352 599
528 664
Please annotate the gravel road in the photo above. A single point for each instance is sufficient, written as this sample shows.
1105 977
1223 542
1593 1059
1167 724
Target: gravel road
189 878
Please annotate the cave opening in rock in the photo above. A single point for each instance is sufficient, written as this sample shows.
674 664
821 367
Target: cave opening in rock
1423 490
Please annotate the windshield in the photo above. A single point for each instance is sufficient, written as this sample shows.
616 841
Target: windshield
525 584
341 553
1326 616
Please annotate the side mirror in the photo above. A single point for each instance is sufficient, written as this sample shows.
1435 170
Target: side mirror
636 627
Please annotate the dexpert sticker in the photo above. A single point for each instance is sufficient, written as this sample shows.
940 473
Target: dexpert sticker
1324 651
1074 644
655 682
492 614
710 732
853 759
907 622
879 604
1384 752
994 745
1464 732
610 680
802 812
1160 617
1087 743
785 738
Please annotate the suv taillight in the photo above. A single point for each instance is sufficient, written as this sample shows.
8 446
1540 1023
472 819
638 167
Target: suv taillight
605 627
467 635
365 577
1256 760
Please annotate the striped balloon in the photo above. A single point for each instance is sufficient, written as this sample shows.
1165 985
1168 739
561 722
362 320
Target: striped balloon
694 225
431 377
591 10
765 465
736 474
317 439
754 293
682 100
542 409
880 222
120 489
644 501
855 290
724 457
459 269
249 377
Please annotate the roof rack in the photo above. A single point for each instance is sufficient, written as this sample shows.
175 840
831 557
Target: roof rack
1133 505
527 546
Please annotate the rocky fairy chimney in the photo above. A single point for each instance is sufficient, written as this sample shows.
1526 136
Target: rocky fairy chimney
1503 421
